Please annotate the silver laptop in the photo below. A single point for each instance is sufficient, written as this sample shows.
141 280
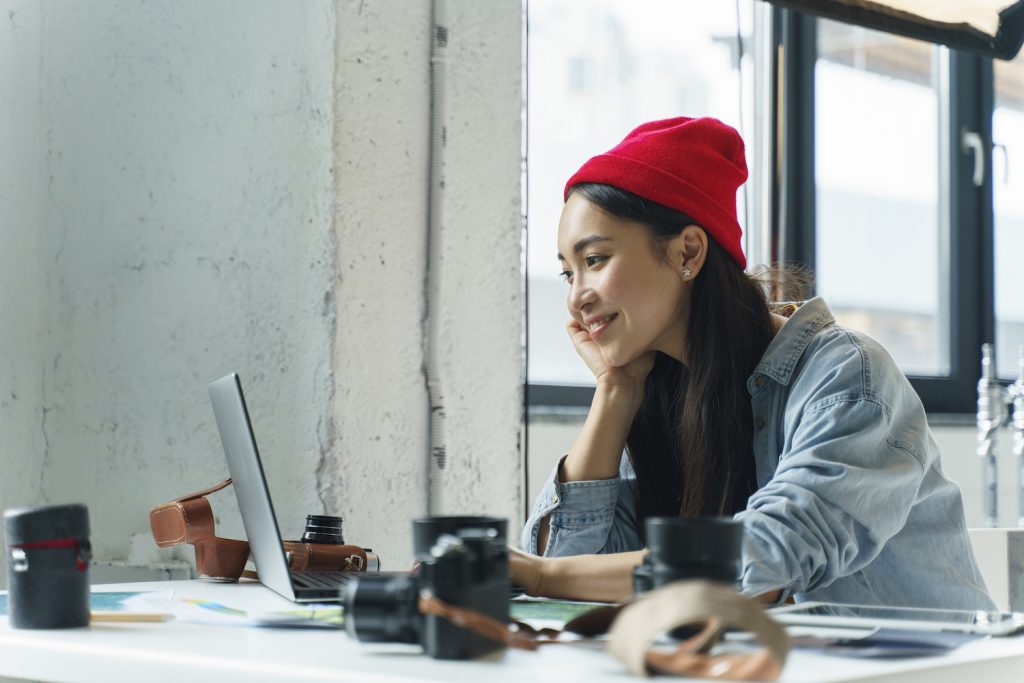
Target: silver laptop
254 502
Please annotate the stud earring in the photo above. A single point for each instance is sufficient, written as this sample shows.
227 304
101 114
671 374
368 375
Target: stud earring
686 272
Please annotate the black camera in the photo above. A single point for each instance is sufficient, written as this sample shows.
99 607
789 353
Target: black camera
462 561
696 548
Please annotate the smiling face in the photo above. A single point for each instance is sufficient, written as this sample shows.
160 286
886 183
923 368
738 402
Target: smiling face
629 298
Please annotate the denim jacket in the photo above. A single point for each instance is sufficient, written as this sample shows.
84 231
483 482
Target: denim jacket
852 504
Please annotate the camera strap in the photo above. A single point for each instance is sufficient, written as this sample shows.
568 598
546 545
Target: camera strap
685 603
512 635
634 628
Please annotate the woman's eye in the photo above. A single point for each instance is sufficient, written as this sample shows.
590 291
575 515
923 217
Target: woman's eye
593 260
566 275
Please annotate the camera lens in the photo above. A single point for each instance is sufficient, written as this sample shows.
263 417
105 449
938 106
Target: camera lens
323 529
697 540
382 609
426 530
695 548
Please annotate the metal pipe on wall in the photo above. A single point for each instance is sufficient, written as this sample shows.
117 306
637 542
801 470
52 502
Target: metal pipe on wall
436 458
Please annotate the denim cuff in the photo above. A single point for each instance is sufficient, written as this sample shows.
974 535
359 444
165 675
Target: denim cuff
572 507
584 503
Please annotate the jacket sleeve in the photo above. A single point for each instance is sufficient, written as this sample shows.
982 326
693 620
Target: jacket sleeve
586 516
844 486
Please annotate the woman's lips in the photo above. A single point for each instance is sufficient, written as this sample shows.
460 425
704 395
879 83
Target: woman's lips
598 326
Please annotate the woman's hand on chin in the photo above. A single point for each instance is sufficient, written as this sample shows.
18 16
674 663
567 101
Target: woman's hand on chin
632 374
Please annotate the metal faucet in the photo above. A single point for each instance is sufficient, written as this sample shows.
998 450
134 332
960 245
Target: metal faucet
991 414
993 398
1016 391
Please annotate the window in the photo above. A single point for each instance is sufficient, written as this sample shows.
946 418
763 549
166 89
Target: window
882 256
894 134
1008 200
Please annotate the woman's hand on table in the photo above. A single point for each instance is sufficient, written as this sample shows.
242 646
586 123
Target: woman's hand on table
526 571
603 578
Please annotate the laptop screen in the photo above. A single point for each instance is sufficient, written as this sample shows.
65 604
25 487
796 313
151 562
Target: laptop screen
250 484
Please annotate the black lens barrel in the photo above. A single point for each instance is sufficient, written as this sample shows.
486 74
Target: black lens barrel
323 529
426 530
690 548
383 609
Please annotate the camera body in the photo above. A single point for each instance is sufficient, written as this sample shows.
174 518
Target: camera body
696 548
465 565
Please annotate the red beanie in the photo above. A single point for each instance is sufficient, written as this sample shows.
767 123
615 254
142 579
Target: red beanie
691 165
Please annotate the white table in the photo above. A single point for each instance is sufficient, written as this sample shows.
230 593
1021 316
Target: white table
177 651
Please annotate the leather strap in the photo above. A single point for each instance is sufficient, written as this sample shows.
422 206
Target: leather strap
481 624
205 492
322 557
685 603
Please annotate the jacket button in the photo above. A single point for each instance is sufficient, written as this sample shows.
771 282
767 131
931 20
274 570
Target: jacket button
759 423
554 500
760 381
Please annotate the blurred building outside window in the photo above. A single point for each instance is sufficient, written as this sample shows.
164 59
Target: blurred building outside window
1008 196
882 256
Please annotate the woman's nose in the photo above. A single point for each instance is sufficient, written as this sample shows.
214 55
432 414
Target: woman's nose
580 295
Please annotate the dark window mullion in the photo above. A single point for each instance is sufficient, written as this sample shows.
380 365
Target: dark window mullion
970 267
798 213
986 209
559 396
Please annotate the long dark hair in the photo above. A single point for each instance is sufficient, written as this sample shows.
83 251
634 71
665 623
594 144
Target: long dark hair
691 443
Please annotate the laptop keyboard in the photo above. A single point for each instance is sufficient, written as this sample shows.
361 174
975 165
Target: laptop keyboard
321 579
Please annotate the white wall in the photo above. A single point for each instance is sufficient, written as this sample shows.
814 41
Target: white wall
382 141
177 227
192 188
481 254
961 464
22 279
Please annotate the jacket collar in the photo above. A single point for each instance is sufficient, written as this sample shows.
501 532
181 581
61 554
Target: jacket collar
784 351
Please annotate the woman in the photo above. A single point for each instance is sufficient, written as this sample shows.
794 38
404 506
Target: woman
709 403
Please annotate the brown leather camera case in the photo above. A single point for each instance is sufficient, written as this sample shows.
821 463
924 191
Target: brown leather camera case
189 519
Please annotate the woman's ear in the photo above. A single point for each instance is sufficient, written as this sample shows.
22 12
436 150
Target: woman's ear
688 250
